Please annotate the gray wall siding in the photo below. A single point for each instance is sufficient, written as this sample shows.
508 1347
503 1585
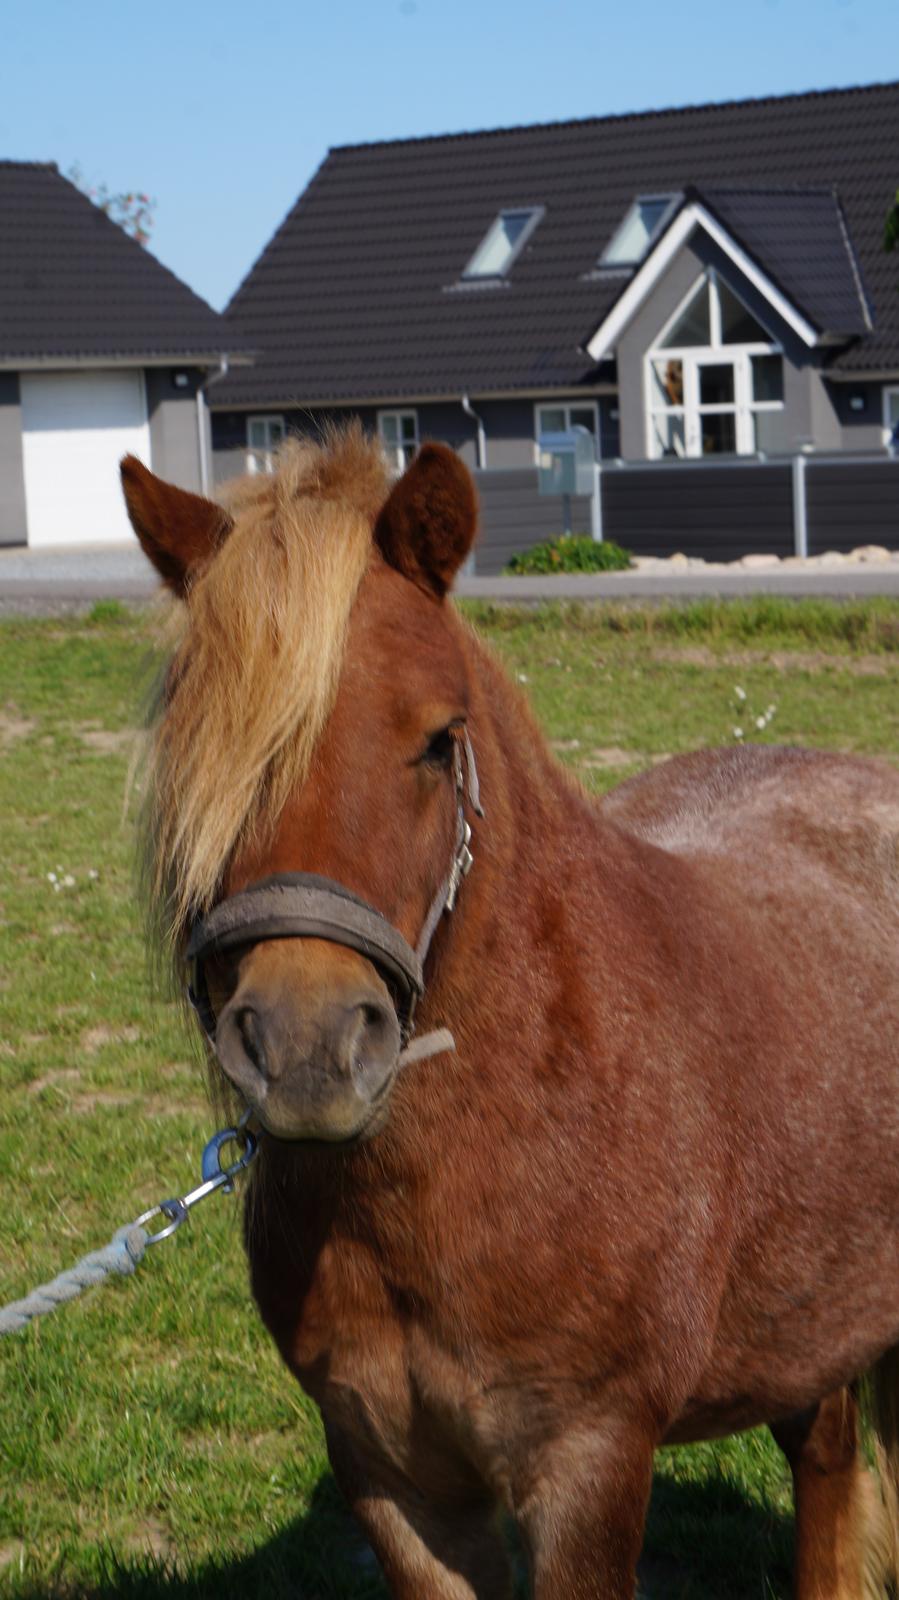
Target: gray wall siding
514 516
443 420
508 426
13 513
852 503
859 430
174 434
826 431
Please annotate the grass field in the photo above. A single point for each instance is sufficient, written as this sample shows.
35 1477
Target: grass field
150 1443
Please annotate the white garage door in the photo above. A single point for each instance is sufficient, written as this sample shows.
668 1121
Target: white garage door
76 426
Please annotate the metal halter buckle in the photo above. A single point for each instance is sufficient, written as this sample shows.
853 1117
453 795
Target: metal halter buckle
460 868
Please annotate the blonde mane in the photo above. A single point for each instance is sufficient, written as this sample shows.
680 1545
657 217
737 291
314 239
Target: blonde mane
254 673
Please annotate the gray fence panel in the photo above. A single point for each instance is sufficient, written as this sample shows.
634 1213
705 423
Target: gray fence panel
514 516
852 503
718 513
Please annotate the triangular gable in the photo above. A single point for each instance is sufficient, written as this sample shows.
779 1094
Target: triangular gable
694 215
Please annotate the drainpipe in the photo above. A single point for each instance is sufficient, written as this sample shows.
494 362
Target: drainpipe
202 438
482 437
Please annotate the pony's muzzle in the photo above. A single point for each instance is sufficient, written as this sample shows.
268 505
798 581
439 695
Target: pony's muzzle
310 1069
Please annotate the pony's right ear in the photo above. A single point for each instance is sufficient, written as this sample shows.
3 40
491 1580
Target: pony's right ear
178 531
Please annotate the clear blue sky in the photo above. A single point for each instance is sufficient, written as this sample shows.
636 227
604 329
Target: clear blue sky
223 111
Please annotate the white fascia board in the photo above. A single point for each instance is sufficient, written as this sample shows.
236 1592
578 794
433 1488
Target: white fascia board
181 358
881 375
693 216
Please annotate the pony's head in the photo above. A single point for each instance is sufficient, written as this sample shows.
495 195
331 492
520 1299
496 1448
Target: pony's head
310 721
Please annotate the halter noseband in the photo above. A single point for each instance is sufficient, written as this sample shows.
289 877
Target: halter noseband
302 905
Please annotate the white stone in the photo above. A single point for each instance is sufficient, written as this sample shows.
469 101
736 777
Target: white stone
758 559
871 552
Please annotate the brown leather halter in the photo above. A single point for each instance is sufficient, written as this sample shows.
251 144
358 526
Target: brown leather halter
302 905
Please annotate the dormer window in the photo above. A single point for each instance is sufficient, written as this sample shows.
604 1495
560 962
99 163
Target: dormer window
637 232
502 243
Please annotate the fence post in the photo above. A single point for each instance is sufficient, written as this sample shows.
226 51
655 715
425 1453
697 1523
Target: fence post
596 504
800 511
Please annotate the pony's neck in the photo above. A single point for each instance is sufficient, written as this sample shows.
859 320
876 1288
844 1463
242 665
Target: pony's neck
540 837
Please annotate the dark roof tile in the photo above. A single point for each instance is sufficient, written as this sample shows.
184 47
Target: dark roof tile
73 285
350 300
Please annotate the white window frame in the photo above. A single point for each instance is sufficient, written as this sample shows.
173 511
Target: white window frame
534 215
889 390
743 408
669 201
399 454
260 458
567 406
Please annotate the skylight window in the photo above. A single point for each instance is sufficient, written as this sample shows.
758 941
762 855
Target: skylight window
504 240
638 230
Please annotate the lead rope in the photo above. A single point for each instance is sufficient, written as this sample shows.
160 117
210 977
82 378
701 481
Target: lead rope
126 1249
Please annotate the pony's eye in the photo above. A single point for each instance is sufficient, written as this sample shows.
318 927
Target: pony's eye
439 749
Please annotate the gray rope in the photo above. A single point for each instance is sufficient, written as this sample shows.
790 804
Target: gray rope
126 1248
123 1253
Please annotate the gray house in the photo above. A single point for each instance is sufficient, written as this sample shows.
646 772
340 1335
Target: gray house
102 351
694 283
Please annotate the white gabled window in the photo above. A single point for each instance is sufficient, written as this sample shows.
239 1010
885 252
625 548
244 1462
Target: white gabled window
398 433
504 240
553 417
632 239
715 379
264 434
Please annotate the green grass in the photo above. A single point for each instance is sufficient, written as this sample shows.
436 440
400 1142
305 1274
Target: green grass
151 1444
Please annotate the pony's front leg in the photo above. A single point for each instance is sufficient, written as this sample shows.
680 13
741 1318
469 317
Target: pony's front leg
427 1551
583 1513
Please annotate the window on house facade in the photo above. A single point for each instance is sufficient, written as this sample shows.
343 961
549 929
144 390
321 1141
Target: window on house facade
891 417
398 432
264 434
504 240
715 380
557 418
632 239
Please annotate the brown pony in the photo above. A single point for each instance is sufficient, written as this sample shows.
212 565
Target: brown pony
653 1194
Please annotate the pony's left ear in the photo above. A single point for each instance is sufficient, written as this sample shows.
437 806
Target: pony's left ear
428 523
178 531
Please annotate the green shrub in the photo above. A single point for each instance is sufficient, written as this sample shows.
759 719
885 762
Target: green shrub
571 552
107 611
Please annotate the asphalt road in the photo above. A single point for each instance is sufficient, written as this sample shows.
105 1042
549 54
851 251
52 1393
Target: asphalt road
71 578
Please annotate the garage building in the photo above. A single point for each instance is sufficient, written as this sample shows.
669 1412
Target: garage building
102 351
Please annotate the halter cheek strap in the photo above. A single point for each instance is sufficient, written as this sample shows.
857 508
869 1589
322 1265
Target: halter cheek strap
303 905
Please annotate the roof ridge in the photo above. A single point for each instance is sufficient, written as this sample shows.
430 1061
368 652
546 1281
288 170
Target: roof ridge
824 190
618 116
11 161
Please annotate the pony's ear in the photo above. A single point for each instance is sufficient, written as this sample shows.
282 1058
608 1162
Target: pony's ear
427 525
177 530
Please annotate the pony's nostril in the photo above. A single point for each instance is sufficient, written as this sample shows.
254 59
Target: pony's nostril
372 1042
250 1027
